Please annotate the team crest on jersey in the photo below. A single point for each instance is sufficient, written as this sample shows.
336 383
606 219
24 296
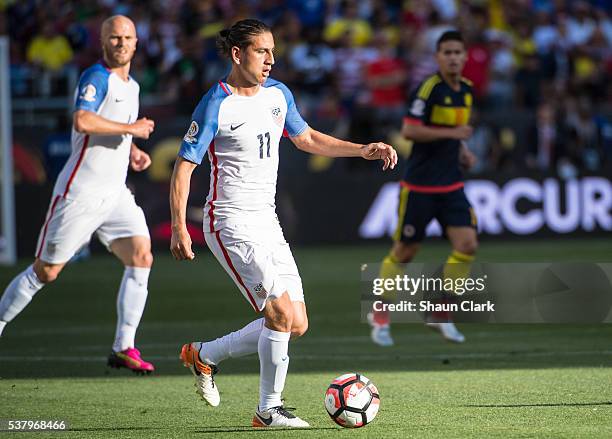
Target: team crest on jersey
277 116
409 231
190 137
418 107
88 93
261 291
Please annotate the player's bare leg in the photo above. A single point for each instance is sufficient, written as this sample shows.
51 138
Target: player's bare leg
464 243
299 325
380 322
24 286
135 254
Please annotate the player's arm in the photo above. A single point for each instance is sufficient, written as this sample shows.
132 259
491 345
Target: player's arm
466 157
316 142
180 243
88 122
139 160
423 133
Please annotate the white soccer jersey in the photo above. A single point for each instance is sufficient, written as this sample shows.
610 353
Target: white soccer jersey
241 135
97 166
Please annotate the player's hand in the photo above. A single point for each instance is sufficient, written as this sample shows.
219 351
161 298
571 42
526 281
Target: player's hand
180 245
463 132
142 128
467 158
380 151
139 160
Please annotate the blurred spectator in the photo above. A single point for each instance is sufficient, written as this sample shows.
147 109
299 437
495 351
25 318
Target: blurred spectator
383 21
477 66
313 62
185 77
49 50
447 9
349 23
580 25
385 79
429 38
545 33
583 144
545 139
502 67
604 129
20 72
51 53
311 13
480 143
350 68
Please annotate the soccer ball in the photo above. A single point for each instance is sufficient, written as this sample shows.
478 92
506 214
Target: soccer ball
352 400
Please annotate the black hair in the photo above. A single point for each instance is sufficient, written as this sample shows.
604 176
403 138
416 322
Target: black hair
239 35
449 35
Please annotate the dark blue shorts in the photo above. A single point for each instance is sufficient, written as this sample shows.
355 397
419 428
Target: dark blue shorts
417 209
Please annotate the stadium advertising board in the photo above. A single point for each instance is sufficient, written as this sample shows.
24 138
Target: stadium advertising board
518 206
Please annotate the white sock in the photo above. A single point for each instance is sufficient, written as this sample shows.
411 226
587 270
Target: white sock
233 345
273 364
18 294
130 306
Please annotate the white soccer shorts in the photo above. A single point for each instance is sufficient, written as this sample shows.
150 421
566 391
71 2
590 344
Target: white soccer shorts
70 224
259 261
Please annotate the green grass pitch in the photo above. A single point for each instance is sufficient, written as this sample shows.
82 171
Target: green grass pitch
550 381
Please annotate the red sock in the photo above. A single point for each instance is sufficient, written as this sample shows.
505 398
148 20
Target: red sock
381 317
440 316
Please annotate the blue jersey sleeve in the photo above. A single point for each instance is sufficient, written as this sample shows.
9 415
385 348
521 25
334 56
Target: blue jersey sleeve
294 123
92 89
204 126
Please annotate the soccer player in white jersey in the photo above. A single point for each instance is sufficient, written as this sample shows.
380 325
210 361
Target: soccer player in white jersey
90 194
239 123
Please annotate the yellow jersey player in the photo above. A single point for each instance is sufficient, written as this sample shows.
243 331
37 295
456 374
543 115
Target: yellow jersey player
437 123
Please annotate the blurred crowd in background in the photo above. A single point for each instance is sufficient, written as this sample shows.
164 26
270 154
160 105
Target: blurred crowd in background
543 65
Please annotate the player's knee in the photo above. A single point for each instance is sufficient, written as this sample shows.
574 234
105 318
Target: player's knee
142 257
278 315
468 247
404 253
47 273
299 329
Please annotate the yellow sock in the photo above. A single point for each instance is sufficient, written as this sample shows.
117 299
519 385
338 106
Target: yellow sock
390 268
458 266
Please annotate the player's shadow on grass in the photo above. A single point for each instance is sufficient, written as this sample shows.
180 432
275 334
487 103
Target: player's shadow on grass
544 404
228 429
92 429
246 429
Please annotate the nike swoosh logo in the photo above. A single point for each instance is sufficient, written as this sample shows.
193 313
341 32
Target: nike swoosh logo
119 100
232 127
264 420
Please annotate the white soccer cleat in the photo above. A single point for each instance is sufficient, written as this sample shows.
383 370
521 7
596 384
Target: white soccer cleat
277 417
380 334
203 373
448 330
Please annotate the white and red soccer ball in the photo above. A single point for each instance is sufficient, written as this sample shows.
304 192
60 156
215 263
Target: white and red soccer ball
352 400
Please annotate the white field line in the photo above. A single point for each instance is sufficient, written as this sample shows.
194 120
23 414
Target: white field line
201 330
327 357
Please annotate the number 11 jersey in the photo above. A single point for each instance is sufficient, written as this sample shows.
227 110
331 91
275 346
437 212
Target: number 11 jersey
241 135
